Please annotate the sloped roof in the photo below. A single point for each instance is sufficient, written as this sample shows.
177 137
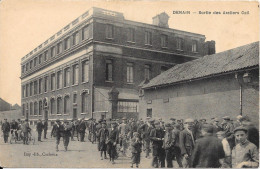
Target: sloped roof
210 65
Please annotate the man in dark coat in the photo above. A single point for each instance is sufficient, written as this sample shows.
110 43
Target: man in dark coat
208 150
57 131
168 144
145 130
176 149
187 141
81 129
157 137
252 132
39 128
6 130
112 140
45 127
14 128
26 130
66 134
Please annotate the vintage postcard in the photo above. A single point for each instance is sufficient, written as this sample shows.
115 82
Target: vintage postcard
129 84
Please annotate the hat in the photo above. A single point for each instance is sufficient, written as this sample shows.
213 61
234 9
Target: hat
216 119
173 119
189 121
178 120
202 119
151 120
124 118
168 125
57 120
240 128
148 118
208 128
226 118
100 120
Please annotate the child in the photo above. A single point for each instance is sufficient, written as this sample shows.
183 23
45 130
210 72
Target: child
136 147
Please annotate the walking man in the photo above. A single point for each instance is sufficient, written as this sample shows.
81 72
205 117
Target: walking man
57 131
39 129
25 129
66 134
82 129
6 130
45 126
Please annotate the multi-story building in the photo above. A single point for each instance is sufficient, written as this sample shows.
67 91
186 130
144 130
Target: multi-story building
94 65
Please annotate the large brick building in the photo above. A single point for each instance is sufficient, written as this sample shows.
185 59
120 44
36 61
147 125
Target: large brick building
93 66
218 85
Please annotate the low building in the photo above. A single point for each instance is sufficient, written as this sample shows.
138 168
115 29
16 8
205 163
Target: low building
10 115
4 105
226 83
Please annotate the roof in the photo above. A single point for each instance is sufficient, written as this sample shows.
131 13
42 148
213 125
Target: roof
228 61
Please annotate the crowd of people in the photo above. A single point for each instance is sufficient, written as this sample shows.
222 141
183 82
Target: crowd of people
191 143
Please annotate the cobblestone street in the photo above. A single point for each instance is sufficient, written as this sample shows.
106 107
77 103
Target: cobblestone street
43 154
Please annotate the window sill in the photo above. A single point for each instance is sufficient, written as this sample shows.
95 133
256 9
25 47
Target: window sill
58 89
66 114
130 83
58 114
83 113
148 45
84 82
74 85
109 38
45 92
195 52
66 87
180 50
40 115
130 42
108 81
164 47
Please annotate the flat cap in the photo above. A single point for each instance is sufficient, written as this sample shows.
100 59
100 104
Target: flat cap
189 121
173 119
124 118
240 128
168 125
216 119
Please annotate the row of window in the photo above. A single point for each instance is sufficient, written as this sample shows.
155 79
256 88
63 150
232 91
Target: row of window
56 107
57 49
62 78
109 33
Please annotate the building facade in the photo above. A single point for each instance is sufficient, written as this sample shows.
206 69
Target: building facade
4 105
218 85
93 66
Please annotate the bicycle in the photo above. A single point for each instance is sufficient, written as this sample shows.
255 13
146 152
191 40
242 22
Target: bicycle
13 138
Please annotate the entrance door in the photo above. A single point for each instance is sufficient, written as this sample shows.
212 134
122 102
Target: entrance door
75 113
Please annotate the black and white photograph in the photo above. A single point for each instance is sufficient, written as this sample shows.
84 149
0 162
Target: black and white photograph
129 84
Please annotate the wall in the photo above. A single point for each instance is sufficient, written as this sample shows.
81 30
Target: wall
215 97
4 106
10 115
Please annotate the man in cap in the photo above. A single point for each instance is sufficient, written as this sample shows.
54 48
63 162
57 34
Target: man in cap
81 129
187 141
157 137
168 144
66 134
45 128
146 129
180 122
6 130
102 137
39 128
123 131
57 131
176 149
173 121
216 127
208 150
112 140
227 126
25 129
245 154
14 128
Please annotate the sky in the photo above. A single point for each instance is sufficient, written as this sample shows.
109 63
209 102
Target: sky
25 24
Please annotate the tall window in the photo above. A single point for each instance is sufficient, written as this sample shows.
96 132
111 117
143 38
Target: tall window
40 86
66 77
53 51
148 38
23 91
35 87
31 63
66 104
75 77
27 67
59 47
52 105
194 46
147 71
53 81
74 98
59 79
67 43
109 70
40 107
23 110
85 71
40 59
85 33
130 73
46 84
23 68
46 55
31 108
27 90
180 44
84 102
131 35
35 61
164 41
59 105
31 88
35 106
109 32
75 38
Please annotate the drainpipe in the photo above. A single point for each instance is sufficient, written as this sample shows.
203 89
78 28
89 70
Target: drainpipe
241 96
239 80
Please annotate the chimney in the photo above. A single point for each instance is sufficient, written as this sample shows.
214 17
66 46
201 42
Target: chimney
209 47
161 20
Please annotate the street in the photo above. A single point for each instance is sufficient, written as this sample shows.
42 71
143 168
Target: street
43 154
